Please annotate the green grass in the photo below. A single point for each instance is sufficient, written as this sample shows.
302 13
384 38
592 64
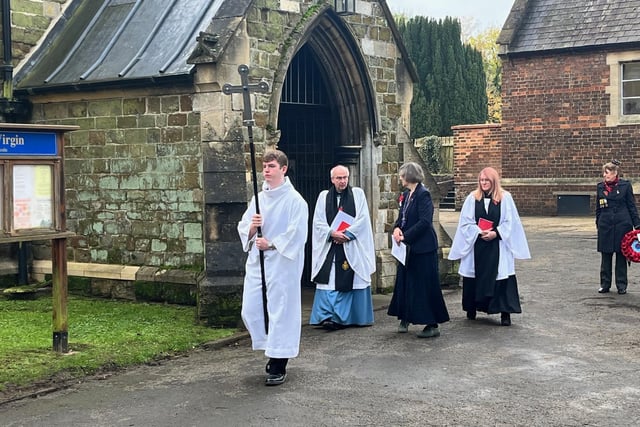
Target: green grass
102 333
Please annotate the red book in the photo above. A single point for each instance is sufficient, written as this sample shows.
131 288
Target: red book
342 221
343 226
485 224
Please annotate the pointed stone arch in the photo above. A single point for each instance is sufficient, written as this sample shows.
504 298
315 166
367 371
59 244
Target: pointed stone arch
349 83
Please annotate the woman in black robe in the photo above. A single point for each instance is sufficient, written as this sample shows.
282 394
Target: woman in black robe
488 240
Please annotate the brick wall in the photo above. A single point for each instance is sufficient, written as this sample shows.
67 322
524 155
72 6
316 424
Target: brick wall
554 117
476 147
530 202
554 135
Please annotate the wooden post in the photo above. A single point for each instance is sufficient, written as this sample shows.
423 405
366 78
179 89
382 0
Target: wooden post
59 296
59 269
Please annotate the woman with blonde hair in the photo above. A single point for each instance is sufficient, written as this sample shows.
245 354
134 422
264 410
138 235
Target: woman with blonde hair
616 215
488 239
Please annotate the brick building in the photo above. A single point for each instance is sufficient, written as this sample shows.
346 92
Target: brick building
571 102
158 174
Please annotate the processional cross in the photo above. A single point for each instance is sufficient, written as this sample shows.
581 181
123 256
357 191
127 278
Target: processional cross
247 120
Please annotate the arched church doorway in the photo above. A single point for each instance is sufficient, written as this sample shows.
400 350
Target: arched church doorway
327 113
310 129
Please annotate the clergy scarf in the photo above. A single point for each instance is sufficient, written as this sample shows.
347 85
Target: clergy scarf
344 272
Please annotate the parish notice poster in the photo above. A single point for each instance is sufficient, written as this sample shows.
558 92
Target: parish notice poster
32 196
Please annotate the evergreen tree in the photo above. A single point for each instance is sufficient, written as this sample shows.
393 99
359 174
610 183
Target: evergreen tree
485 42
452 87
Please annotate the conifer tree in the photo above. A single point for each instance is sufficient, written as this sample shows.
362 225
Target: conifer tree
451 88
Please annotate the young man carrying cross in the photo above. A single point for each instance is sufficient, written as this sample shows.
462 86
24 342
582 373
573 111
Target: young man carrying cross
283 221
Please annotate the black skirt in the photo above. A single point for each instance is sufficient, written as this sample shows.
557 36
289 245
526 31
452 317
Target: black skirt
417 297
505 297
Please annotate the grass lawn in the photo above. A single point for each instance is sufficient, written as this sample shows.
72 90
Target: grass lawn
102 334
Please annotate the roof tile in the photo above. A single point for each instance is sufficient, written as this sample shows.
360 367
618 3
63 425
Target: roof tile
541 25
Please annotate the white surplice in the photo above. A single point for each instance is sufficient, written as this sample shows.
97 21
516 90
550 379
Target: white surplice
360 253
285 216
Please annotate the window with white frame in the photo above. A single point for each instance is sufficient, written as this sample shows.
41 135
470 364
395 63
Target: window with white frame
623 88
630 88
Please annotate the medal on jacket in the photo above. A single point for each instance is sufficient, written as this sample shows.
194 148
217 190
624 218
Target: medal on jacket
345 265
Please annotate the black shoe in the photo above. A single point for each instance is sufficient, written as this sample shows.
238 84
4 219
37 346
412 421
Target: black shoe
505 319
603 290
622 291
330 325
275 379
471 315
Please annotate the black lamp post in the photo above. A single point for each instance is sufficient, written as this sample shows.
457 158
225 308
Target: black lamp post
345 7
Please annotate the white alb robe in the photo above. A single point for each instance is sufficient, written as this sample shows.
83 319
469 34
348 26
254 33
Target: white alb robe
285 216
513 241
360 253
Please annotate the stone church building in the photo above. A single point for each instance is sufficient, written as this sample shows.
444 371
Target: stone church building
158 173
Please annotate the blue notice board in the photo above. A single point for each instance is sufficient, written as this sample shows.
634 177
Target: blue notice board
28 143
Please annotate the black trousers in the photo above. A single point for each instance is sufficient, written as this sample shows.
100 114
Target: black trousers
606 269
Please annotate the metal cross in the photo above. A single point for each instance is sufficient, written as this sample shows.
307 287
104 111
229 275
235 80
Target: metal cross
245 88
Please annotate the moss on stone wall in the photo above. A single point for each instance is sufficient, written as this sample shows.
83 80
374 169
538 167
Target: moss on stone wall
79 285
172 293
225 313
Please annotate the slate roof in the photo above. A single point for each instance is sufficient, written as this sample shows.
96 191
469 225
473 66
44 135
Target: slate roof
126 41
548 25
98 43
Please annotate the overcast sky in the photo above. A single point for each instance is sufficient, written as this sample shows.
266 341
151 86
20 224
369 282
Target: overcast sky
479 14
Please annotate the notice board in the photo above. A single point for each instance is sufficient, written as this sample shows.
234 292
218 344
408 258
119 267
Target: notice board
32 191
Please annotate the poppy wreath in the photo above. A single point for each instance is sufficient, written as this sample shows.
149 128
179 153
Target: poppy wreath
630 246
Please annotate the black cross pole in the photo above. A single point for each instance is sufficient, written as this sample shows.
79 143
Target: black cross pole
247 119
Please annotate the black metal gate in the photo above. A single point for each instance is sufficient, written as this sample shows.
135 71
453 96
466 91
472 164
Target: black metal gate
309 133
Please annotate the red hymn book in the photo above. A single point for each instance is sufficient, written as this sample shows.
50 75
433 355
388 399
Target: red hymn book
485 224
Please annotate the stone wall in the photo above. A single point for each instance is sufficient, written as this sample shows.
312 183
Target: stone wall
394 91
275 29
133 176
30 20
